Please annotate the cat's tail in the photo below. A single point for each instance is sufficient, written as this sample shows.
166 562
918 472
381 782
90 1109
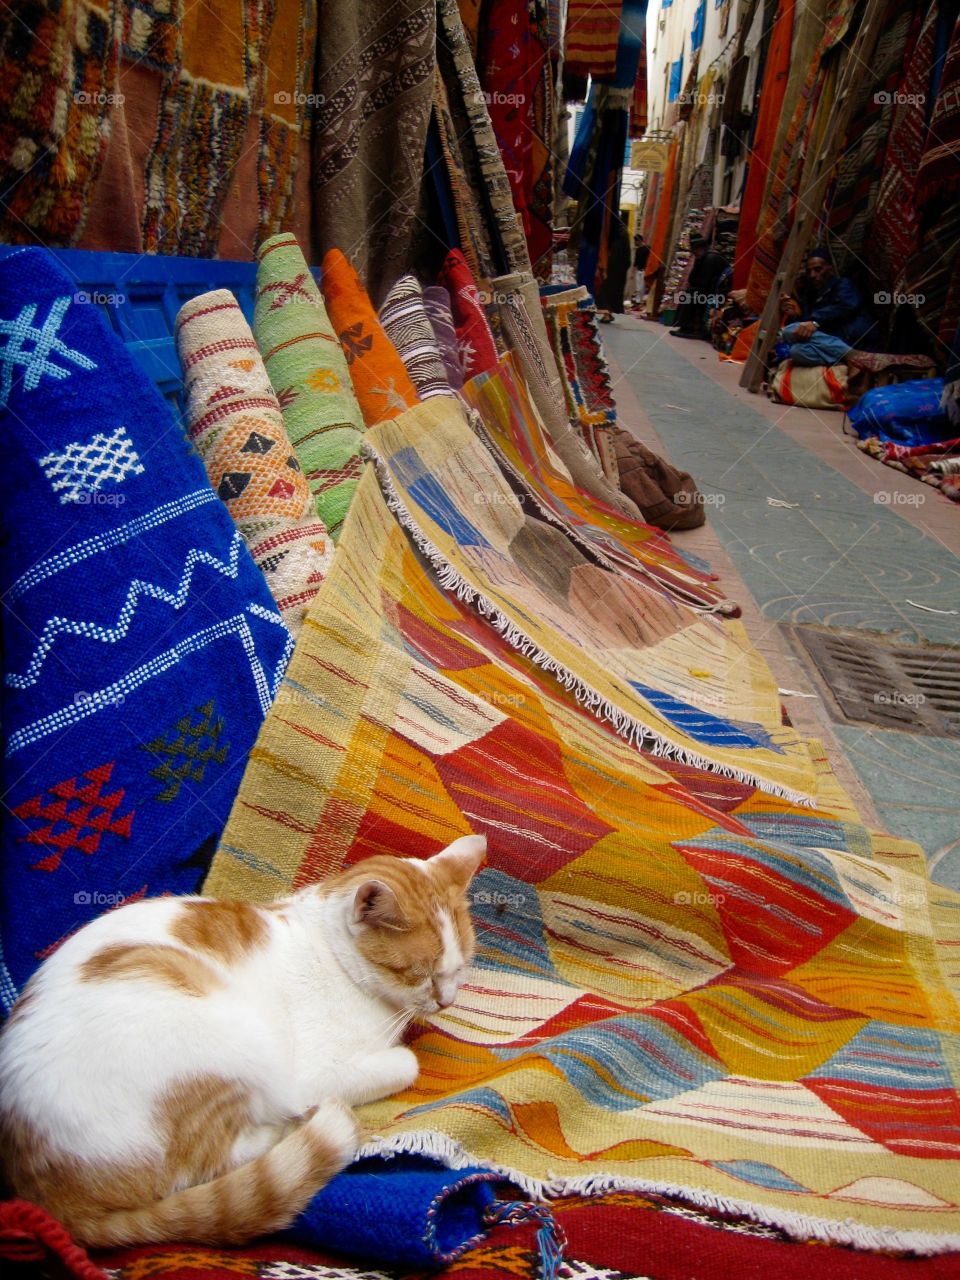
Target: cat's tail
254 1199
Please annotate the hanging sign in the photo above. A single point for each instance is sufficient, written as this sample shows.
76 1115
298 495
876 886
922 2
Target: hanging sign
651 157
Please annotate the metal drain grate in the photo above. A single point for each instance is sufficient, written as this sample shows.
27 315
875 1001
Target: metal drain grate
876 681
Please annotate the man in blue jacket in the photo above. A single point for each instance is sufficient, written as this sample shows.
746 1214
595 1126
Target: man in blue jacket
834 319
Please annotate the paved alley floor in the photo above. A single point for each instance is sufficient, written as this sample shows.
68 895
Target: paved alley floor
805 529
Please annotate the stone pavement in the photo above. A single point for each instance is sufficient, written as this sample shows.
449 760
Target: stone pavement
861 543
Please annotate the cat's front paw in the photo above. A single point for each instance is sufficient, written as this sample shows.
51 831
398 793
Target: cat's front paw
407 1067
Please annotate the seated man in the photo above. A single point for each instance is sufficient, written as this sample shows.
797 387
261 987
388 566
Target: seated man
833 320
707 285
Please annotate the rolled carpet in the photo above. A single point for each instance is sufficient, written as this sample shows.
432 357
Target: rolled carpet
478 351
436 299
234 420
380 379
141 647
412 1211
407 325
309 375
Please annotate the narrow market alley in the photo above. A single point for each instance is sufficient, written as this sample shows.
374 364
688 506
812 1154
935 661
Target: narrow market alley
816 535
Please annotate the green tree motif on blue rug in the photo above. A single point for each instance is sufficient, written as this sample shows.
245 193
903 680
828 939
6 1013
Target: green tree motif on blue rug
187 750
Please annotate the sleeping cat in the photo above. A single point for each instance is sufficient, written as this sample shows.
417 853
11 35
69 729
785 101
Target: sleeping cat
184 1068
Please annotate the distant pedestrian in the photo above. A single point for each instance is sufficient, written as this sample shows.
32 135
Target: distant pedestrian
636 285
612 286
707 286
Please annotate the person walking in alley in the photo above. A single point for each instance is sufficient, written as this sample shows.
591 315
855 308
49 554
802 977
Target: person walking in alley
636 285
707 285
613 284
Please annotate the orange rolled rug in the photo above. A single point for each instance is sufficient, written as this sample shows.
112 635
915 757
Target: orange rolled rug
380 379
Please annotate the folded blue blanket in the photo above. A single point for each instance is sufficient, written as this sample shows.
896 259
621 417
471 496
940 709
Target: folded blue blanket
410 1211
141 646
907 412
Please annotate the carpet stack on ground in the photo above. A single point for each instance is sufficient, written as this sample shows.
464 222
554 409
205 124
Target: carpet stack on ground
235 421
141 646
309 374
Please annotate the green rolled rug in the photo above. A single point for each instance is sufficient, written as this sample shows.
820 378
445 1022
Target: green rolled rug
308 371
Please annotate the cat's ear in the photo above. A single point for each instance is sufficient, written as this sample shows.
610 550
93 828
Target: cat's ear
376 904
462 859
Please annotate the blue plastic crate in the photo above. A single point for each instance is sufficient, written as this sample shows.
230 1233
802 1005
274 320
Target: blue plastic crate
141 294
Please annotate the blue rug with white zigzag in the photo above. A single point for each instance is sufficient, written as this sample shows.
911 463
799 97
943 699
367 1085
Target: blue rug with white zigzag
141 646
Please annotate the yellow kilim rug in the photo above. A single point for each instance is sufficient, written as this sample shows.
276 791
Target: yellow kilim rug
744 1003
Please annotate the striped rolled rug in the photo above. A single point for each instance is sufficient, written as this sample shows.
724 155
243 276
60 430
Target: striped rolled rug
234 420
407 325
309 374
436 299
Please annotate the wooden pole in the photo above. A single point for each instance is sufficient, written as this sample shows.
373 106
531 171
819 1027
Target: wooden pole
812 190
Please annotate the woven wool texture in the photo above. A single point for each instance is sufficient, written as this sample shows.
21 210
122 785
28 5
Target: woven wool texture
309 374
58 78
141 645
606 1235
627 1017
478 351
508 424
380 379
690 685
407 325
436 299
234 420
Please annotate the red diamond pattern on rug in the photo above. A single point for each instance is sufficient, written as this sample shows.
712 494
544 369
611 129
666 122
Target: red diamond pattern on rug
75 814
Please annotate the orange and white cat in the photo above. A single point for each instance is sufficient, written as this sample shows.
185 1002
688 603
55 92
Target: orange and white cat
184 1068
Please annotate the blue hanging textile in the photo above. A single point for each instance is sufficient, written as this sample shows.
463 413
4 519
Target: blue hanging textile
676 80
696 33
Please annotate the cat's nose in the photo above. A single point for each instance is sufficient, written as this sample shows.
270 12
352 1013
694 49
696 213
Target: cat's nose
444 993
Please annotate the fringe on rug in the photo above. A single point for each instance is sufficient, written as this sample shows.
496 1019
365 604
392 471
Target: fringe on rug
798 1226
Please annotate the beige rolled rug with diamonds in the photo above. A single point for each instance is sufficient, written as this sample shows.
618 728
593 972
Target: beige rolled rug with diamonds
235 422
